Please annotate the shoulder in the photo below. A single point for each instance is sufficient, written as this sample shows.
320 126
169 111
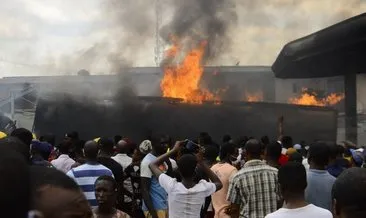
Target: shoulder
147 159
276 214
321 212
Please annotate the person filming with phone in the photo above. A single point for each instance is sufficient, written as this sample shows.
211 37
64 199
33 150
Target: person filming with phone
186 198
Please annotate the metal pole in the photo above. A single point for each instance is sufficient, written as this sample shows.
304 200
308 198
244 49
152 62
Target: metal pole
12 105
350 91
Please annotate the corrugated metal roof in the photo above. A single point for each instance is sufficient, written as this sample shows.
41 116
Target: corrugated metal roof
138 71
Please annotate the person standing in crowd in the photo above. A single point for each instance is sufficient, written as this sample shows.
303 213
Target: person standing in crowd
154 196
40 152
224 170
105 158
320 182
106 194
124 160
186 197
63 162
335 167
23 135
292 180
253 191
86 174
16 145
349 194
295 157
55 195
133 172
273 154
14 184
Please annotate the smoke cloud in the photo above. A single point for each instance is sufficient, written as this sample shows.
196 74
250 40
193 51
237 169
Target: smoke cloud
194 21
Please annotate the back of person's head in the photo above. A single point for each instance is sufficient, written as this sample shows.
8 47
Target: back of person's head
15 144
187 165
117 138
318 153
226 138
295 157
91 150
205 138
287 142
349 194
211 152
106 145
46 183
14 184
253 149
42 148
292 179
23 135
333 151
265 140
64 147
227 150
273 151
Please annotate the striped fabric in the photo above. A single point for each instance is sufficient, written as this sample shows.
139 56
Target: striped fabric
85 176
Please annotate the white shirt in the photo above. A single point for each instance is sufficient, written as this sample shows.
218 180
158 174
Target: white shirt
63 163
183 202
123 159
309 211
306 164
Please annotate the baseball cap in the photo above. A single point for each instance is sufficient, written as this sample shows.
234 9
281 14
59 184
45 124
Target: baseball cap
145 147
357 157
41 146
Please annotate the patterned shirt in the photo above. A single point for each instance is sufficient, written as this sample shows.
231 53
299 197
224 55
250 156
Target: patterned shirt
255 188
86 175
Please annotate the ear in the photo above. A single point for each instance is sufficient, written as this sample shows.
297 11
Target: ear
335 209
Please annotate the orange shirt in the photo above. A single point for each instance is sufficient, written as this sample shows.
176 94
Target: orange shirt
224 171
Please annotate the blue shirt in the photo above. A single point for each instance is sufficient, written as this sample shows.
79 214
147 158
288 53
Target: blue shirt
319 189
85 176
158 195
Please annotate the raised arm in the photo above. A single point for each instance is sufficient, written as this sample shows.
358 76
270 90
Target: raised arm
154 166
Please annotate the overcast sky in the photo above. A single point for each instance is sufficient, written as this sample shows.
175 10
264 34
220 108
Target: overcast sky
43 37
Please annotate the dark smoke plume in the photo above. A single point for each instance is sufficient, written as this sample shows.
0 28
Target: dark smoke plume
195 21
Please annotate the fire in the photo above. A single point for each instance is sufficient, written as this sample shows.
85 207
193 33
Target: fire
312 99
253 97
182 80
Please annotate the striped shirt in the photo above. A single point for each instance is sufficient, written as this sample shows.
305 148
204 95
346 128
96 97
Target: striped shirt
255 188
85 176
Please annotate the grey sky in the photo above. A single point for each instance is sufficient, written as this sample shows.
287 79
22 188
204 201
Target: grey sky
51 35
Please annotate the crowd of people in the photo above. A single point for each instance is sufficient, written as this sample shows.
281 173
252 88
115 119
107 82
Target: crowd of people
117 178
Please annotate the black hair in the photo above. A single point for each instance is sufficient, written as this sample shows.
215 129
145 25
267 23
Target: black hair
265 140
109 179
273 150
349 191
319 153
253 148
106 144
287 142
333 151
117 138
14 185
91 150
292 178
187 165
205 138
65 147
226 138
211 152
41 176
15 144
73 135
226 150
295 157
23 135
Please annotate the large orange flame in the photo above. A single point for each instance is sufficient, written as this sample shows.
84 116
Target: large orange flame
182 80
311 99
